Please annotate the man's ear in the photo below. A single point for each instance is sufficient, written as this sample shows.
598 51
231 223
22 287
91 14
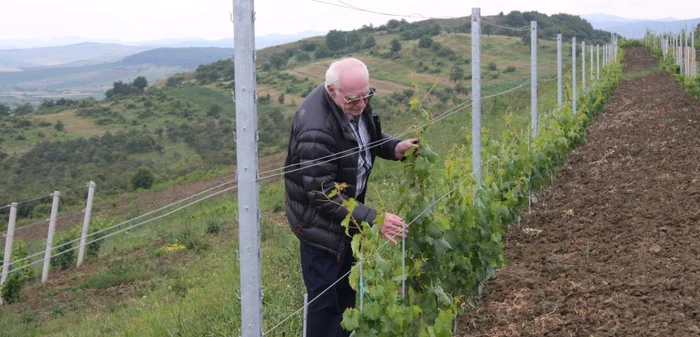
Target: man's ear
329 88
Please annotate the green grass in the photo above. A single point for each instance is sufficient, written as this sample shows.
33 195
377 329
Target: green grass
204 97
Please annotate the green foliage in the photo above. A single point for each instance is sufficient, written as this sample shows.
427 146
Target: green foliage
492 66
64 256
143 178
322 52
692 85
11 290
220 70
174 81
425 42
98 224
117 273
455 242
121 89
214 110
370 42
456 74
395 46
213 227
192 240
420 31
336 40
140 83
4 109
23 109
59 126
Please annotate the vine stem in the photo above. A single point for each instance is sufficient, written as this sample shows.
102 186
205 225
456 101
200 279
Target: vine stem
362 282
403 260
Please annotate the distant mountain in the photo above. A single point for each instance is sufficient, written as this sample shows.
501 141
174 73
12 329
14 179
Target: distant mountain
185 57
631 28
86 53
260 41
600 17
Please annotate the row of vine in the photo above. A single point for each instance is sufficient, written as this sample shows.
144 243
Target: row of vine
691 84
455 241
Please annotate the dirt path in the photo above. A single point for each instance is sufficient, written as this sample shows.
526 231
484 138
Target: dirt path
619 250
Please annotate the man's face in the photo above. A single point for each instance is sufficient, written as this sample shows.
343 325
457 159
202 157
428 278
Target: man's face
353 95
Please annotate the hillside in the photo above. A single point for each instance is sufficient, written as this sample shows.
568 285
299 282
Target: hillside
82 79
50 56
183 125
175 276
184 57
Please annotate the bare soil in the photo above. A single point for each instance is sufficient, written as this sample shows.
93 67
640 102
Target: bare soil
618 250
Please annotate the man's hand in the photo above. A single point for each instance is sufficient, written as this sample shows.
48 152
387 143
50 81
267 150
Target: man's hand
392 227
404 146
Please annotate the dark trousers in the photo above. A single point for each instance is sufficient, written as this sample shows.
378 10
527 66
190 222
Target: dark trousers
320 270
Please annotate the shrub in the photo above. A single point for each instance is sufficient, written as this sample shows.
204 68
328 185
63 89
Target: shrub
493 66
213 227
510 69
65 254
12 288
93 249
143 178
192 241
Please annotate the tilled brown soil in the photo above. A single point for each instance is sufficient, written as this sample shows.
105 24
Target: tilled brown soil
619 249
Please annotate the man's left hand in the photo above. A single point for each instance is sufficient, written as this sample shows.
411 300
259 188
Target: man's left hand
404 146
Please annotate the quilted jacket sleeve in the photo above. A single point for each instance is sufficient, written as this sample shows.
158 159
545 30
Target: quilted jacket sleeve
319 171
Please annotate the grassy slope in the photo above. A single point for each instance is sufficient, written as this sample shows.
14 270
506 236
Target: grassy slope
192 294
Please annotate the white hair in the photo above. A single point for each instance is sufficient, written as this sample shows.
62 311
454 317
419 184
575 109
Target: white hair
333 73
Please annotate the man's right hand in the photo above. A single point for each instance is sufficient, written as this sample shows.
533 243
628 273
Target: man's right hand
392 227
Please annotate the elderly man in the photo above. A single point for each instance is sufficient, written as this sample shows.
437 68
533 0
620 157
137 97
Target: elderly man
334 139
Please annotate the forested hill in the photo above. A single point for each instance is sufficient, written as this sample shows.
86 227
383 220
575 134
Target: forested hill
188 57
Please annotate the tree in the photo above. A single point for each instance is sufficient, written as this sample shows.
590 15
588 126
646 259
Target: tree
174 81
456 74
336 40
59 126
515 19
395 46
24 109
140 83
353 39
4 109
322 52
370 42
425 42
143 178
393 23
278 61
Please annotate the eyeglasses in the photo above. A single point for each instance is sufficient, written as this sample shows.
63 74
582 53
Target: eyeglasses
356 99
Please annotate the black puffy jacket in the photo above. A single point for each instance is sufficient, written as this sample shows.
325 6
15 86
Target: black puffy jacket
317 158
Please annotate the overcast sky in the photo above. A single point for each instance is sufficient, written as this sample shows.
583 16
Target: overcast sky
140 20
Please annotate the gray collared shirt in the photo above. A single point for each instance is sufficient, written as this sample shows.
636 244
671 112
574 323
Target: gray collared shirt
364 158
